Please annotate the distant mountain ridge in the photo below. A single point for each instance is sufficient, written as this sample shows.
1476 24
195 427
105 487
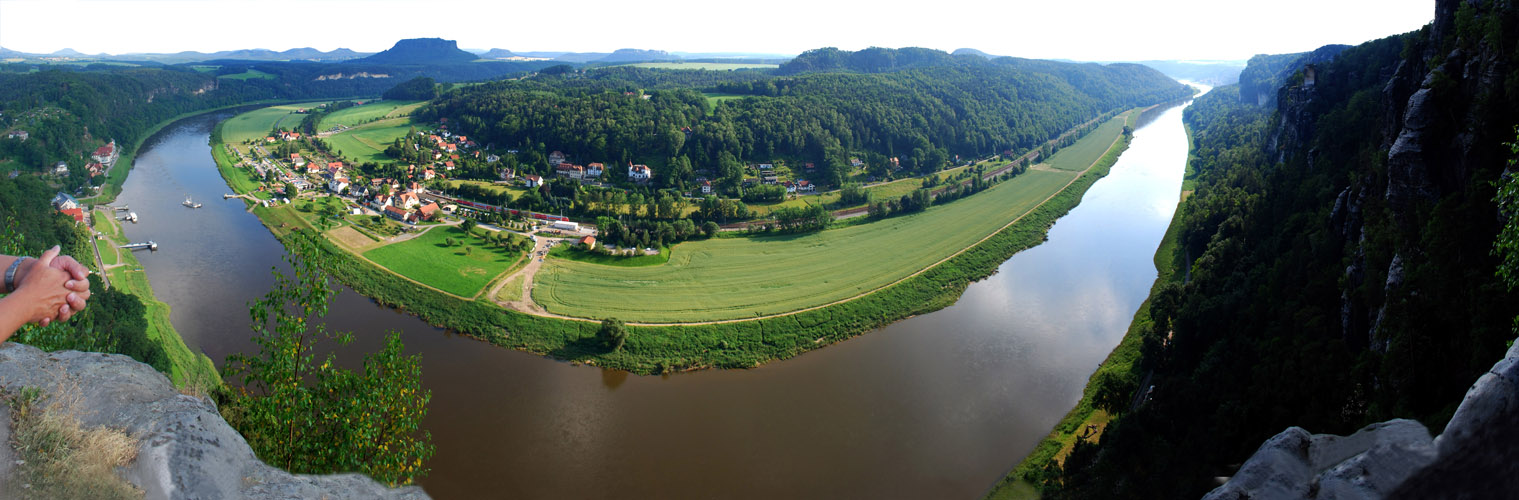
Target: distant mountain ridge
189 56
422 51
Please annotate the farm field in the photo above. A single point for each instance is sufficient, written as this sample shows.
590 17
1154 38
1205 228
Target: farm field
367 142
733 278
710 66
256 124
743 277
513 191
427 259
359 114
248 75
1078 156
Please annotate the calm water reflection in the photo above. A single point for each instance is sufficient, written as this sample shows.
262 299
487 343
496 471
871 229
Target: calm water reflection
935 406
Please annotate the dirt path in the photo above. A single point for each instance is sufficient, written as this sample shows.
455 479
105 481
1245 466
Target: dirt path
525 301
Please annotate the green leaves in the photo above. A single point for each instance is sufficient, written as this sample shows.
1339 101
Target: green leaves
1506 245
314 417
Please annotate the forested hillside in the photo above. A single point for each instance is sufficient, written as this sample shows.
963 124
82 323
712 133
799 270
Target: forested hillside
923 115
1341 248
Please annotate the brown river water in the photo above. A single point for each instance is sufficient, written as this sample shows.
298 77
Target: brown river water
936 406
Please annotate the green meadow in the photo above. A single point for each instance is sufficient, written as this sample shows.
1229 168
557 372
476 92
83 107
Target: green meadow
429 259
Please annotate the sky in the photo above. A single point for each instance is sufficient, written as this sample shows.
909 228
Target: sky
1086 30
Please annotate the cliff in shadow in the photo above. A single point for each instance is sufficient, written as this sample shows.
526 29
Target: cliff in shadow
1341 251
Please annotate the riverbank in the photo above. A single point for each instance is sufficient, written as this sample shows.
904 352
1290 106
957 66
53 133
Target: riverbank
118 174
1086 422
122 271
737 344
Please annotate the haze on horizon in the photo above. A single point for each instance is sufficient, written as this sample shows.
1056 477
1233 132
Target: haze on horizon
1086 30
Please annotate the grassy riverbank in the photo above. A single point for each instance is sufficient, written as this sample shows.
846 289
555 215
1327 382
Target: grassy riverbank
187 368
657 349
118 174
1170 267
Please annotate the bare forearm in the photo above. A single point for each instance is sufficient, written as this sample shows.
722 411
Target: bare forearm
12 316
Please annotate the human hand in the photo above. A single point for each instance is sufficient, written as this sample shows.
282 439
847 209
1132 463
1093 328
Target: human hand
42 291
80 285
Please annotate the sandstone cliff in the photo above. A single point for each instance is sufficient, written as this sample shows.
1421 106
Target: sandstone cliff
186 450
1474 457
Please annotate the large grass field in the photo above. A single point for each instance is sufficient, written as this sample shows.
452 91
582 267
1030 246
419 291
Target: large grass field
367 143
256 124
733 278
248 75
710 66
513 191
373 111
429 260
1074 157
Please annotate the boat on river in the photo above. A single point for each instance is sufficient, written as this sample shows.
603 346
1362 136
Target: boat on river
190 203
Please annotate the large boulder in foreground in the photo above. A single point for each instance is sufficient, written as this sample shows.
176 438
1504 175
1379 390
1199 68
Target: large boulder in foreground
186 450
1475 457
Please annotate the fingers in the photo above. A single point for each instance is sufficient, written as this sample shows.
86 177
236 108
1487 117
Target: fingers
76 302
75 269
47 257
77 286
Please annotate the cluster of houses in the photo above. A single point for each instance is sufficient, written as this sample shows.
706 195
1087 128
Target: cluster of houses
404 207
69 206
284 135
104 158
562 168
765 174
21 135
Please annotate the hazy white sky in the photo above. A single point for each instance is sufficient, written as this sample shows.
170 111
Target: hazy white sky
1069 29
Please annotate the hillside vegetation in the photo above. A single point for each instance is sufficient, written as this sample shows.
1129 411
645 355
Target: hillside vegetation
1341 253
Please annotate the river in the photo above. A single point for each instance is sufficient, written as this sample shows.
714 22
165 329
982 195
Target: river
935 406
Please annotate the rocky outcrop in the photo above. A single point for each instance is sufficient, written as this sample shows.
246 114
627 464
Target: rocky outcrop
1474 457
186 449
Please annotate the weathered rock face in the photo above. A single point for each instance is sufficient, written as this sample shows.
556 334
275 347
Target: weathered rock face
186 449
1474 457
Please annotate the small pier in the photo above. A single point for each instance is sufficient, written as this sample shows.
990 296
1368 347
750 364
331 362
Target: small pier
150 245
129 217
122 208
226 196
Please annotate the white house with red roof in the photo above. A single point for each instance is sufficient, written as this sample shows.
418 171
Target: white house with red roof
533 180
594 170
639 173
408 200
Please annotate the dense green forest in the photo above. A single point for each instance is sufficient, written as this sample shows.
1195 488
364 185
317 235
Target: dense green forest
1342 265
114 321
924 115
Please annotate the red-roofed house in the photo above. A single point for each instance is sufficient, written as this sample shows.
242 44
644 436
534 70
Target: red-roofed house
77 213
571 171
639 172
395 213
295 159
589 242
428 174
428 211
533 180
594 170
706 187
408 200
